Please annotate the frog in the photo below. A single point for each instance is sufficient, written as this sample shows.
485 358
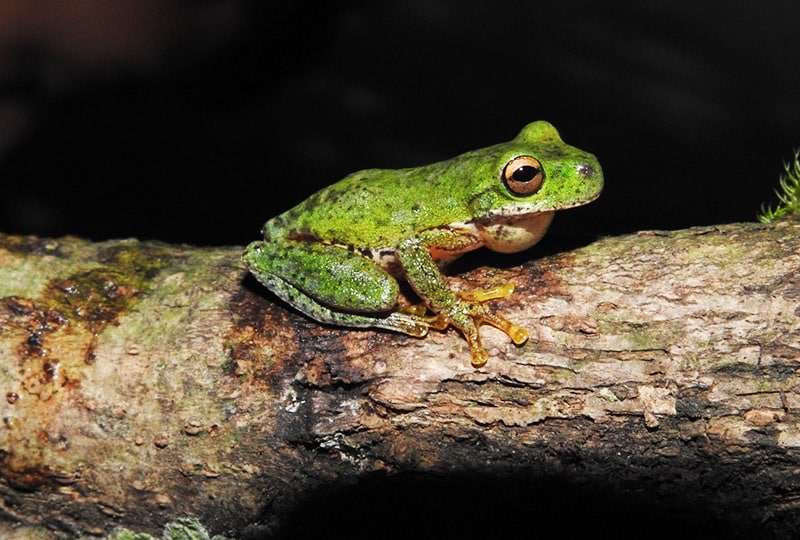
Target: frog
341 255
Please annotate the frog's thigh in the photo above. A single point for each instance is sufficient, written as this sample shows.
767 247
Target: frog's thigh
328 275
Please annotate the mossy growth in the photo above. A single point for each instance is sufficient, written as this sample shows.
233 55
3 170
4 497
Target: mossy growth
788 193
183 529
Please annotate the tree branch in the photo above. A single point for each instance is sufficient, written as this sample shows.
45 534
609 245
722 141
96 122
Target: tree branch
144 382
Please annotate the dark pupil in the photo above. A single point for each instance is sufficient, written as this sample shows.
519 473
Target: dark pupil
526 173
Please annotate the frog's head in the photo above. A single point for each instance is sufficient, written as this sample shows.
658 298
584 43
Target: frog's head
527 180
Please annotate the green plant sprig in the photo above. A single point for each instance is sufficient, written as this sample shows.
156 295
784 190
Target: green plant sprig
788 193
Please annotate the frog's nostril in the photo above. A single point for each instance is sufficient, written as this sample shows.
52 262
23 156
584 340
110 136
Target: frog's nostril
585 169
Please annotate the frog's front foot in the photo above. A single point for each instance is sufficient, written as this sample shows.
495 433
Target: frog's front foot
468 314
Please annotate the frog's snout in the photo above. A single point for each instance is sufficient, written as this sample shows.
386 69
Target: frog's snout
590 175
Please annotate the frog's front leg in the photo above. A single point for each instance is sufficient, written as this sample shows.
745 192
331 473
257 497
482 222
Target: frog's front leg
464 311
331 285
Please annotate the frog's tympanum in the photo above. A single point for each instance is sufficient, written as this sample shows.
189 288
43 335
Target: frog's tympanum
337 255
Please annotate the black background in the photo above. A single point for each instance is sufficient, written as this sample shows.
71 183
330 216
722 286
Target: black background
691 107
199 131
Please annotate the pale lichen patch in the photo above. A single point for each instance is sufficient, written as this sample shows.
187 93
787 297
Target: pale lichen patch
656 402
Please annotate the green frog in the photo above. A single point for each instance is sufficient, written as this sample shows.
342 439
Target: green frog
337 256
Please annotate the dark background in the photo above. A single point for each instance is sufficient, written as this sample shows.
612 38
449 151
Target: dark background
196 121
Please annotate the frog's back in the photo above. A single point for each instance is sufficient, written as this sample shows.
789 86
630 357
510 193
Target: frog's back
373 207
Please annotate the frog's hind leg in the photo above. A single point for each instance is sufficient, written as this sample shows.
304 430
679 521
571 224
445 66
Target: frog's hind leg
332 285
396 321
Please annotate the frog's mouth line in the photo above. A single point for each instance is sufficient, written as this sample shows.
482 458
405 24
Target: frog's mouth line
586 201
522 213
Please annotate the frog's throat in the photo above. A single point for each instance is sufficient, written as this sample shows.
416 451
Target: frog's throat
513 233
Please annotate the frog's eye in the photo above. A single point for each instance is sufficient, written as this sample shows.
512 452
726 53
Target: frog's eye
523 175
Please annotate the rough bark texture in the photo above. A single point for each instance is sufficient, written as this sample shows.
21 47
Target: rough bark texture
143 382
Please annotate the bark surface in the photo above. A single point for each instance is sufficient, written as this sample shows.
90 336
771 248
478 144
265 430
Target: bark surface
144 382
